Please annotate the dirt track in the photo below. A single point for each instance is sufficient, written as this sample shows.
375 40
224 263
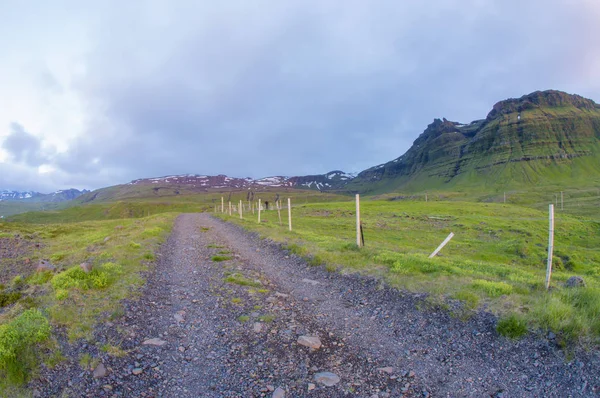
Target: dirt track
226 339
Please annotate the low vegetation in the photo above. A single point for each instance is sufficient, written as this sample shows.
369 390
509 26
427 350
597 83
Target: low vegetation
18 339
69 298
497 257
239 279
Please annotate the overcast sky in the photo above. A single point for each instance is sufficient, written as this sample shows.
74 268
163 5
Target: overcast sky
99 93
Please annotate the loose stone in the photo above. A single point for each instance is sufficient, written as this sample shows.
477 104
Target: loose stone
327 378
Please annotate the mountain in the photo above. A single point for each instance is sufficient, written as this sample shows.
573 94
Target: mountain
30 196
332 180
15 195
195 183
546 137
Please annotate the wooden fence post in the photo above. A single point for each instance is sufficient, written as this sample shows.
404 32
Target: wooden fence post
550 244
222 205
278 204
259 211
229 208
441 246
358 239
290 213
561 201
241 210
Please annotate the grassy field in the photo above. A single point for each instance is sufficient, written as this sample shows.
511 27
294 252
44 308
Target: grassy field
9 208
69 299
496 259
143 207
577 201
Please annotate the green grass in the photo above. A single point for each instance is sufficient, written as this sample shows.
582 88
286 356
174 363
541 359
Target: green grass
268 318
239 279
69 299
220 258
512 326
139 201
497 257
113 350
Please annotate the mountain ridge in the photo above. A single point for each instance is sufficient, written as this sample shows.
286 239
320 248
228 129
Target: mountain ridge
545 136
542 137
61 195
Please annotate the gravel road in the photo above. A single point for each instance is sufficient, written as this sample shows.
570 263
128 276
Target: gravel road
242 328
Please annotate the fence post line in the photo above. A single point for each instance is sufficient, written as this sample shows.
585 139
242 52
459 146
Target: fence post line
441 246
279 212
561 201
241 210
222 205
290 213
550 244
259 211
230 208
358 240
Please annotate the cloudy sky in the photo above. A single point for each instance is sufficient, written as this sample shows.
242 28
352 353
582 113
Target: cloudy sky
99 93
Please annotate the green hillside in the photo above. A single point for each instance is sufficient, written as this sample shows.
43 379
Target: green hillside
544 138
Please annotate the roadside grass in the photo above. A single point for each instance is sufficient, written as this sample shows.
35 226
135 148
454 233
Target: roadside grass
113 350
497 258
239 279
69 298
220 258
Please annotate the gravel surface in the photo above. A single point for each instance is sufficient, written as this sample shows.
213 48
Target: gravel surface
264 323
12 256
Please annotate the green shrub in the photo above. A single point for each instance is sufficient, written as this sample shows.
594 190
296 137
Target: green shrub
57 257
61 294
17 344
492 289
512 327
18 282
75 277
7 298
39 278
134 245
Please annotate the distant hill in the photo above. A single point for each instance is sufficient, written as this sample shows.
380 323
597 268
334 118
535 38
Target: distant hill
546 137
194 183
30 196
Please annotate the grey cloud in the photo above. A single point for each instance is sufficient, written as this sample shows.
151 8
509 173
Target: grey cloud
24 147
295 87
